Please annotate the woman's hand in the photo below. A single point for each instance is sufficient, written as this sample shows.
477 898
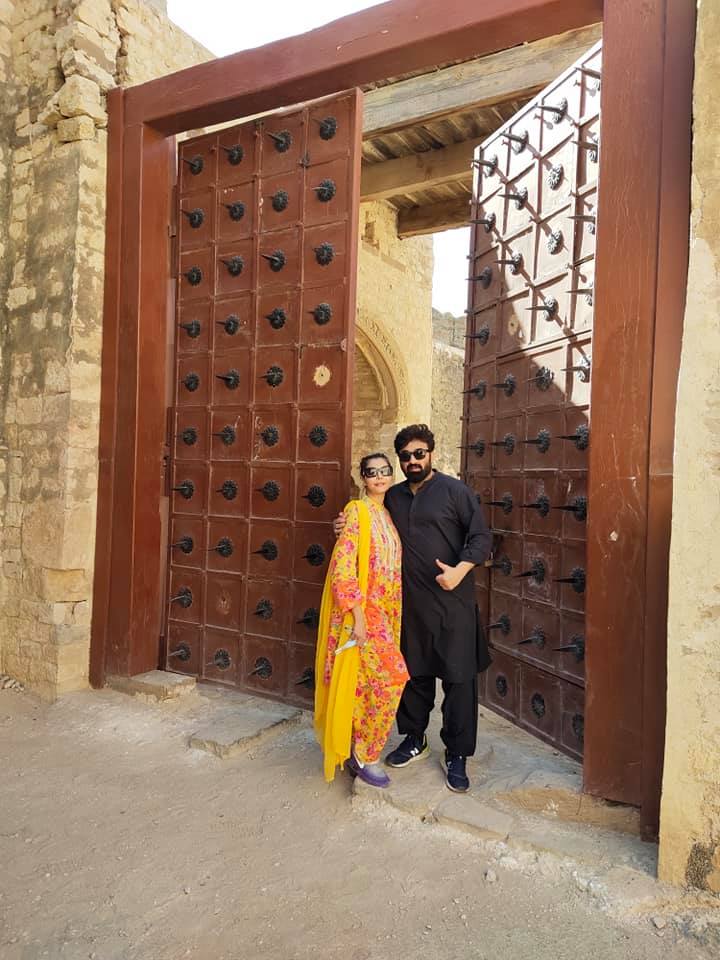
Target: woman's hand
359 633
339 524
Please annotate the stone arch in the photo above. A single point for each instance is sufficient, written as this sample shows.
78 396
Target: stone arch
377 399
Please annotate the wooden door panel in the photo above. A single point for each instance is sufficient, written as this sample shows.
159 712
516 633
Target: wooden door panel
526 430
267 242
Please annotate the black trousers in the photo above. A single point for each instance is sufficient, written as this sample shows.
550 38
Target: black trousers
459 712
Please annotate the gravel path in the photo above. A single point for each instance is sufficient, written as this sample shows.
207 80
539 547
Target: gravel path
118 842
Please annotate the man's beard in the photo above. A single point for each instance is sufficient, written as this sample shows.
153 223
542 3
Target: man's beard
417 476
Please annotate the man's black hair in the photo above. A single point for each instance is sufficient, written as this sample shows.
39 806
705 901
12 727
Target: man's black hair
373 456
416 431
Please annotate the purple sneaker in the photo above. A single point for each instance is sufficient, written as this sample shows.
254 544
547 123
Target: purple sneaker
370 773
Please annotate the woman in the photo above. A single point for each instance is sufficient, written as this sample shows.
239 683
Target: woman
359 668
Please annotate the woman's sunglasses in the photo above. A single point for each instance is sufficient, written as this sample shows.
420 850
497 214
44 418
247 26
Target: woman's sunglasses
406 455
373 472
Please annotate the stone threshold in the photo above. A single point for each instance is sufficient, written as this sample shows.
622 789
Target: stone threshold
220 721
527 812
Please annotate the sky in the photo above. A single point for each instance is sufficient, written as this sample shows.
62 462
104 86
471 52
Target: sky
226 26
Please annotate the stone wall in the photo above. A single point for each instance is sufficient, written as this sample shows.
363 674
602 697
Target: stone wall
393 377
447 404
690 815
447 385
449 329
63 57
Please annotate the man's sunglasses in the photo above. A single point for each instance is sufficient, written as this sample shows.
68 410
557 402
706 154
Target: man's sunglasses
373 472
406 455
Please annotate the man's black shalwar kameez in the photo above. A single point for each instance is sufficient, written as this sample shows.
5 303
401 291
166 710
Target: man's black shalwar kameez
441 631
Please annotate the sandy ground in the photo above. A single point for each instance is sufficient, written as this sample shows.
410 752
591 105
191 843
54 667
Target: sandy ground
117 841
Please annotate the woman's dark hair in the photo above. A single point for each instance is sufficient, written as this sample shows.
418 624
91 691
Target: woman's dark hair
373 456
416 431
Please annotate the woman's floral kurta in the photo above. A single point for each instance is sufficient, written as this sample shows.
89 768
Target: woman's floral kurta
382 674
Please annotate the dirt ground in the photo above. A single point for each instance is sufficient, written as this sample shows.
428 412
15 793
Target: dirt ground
118 842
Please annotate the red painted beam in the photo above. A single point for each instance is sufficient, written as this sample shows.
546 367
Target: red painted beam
393 38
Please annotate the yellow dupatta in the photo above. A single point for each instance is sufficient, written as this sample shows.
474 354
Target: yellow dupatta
335 702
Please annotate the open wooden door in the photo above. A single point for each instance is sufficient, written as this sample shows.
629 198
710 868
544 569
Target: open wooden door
527 406
260 426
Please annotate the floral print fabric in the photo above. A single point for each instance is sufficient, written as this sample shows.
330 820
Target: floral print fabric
382 673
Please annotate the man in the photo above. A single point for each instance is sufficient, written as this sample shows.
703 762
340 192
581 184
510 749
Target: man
444 536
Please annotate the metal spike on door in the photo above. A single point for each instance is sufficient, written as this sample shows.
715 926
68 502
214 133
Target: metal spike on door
504 565
536 572
182 652
506 503
231 324
236 210
235 154
576 646
576 579
549 307
282 140
276 260
196 217
183 598
541 441
536 638
518 141
558 111
235 265
192 328
502 624
262 668
491 164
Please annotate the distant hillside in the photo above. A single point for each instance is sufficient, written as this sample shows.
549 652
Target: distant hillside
448 329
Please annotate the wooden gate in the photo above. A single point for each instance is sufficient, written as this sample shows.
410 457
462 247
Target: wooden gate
527 397
260 426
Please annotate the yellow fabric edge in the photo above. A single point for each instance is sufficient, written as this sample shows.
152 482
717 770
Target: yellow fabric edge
335 702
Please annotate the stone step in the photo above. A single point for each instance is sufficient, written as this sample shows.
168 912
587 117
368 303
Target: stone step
155 685
250 723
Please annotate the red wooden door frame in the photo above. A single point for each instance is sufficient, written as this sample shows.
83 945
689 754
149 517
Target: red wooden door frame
641 253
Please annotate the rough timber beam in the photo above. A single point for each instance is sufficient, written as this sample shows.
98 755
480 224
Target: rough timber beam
434 217
420 171
511 74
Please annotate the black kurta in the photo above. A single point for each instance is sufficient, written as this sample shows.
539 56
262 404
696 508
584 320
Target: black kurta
441 631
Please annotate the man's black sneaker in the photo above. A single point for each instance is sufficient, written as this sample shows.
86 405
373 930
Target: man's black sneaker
457 780
412 748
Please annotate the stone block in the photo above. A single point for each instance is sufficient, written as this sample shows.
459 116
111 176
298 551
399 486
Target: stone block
80 96
80 62
64 586
49 117
95 14
155 685
254 722
470 814
76 128
73 664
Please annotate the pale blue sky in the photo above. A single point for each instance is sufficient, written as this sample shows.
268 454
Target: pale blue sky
226 27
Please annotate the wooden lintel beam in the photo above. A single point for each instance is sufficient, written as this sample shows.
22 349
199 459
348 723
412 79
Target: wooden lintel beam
509 75
420 171
434 217
387 40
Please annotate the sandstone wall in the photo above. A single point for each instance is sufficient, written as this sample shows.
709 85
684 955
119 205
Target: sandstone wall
63 57
393 377
447 385
690 815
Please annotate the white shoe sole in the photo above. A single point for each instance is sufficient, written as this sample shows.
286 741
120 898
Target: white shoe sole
419 756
